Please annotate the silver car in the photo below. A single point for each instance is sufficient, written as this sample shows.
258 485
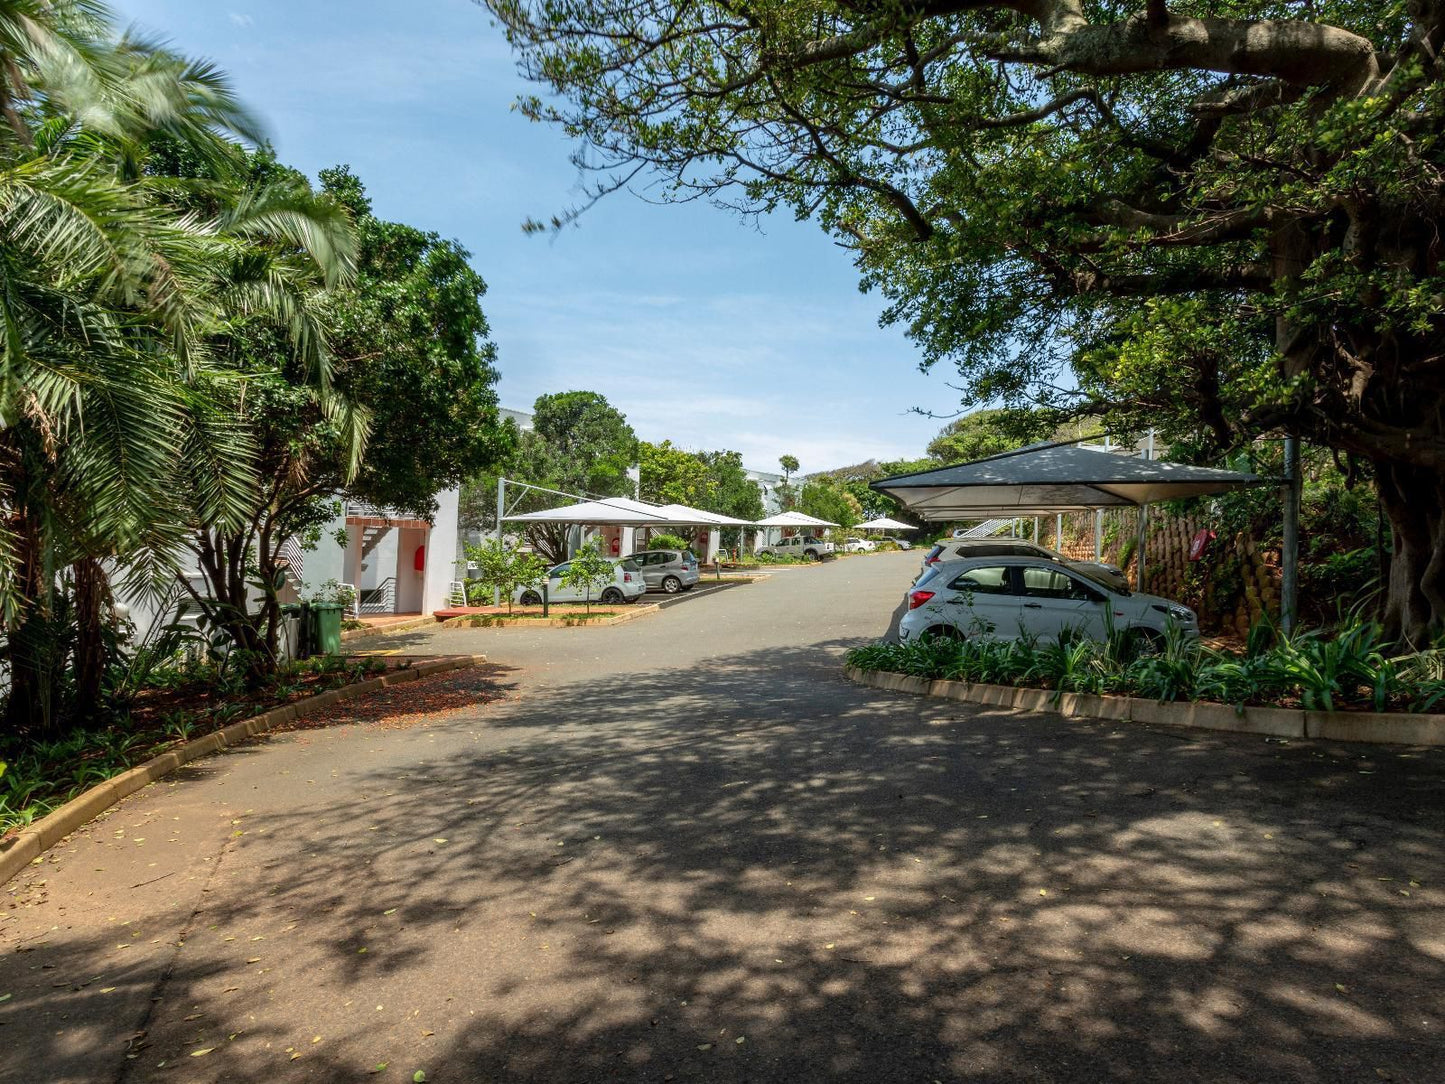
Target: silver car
1006 598
667 570
1111 575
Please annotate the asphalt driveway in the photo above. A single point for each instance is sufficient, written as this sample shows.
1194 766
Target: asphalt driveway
685 849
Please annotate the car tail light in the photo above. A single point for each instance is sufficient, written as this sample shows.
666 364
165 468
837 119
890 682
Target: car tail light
627 577
918 598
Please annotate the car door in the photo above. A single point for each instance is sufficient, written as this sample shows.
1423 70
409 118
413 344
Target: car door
983 602
1053 601
555 591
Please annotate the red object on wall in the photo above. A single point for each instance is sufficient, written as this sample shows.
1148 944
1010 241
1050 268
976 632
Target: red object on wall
419 561
1200 542
616 546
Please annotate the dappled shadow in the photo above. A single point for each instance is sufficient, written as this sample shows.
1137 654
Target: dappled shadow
751 870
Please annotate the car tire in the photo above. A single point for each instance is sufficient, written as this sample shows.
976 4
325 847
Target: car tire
671 584
812 555
1144 642
611 596
530 598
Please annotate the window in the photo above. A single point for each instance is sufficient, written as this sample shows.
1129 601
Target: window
984 581
556 573
1049 583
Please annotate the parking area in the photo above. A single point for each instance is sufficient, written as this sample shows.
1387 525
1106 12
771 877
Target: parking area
686 849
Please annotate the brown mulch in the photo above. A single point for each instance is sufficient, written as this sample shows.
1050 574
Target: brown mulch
427 700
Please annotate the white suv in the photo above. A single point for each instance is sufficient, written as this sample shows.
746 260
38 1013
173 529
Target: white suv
1005 598
815 549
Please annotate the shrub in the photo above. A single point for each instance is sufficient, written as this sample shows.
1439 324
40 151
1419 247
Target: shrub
1316 671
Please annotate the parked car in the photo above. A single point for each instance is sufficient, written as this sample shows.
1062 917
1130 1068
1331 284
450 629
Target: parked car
627 586
1006 597
901 543
815 549
859 545
667 570
957 550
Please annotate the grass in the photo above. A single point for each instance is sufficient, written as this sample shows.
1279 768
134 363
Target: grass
178 703
1349 669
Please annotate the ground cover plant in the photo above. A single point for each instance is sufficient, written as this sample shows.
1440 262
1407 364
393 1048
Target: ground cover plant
1347 669
159 708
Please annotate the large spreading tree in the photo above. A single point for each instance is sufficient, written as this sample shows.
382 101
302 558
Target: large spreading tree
1225 214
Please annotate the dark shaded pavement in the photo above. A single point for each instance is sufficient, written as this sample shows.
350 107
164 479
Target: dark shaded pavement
686 849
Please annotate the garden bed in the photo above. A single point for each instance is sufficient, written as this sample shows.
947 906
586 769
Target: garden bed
561 616
1312 684
189 702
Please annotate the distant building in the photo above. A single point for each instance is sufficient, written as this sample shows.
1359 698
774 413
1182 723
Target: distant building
521 417
768 484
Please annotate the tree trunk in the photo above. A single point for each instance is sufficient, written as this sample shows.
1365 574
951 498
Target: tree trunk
35 650
92 601
1413 499
223 560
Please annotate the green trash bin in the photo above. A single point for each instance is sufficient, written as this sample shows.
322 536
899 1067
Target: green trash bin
324 626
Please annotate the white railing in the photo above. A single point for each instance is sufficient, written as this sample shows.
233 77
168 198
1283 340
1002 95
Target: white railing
987 529
295 562
380 599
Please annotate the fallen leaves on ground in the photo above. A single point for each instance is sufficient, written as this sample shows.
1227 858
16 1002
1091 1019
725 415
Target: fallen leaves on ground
414 703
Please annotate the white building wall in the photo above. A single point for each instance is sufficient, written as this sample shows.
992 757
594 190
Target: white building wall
441 559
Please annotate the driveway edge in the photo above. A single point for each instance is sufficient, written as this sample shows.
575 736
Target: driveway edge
1351 726
30 844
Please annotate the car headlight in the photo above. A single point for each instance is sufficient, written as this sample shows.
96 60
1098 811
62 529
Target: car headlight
1182 614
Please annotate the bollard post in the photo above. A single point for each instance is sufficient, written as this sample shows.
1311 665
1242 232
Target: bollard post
545 608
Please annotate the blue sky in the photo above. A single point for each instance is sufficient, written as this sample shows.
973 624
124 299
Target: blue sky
700 328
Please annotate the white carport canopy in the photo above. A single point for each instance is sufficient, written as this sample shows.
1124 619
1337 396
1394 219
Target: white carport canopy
793 519
682 514
618 512
1051 478
883 523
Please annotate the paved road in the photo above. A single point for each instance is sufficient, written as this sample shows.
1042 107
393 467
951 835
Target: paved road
684 849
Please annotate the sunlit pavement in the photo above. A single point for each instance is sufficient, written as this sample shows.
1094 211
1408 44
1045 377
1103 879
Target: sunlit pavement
685 849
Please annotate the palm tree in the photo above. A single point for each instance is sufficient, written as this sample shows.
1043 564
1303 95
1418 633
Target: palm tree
111 297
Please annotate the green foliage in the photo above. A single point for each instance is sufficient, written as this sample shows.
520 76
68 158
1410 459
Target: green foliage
587 571
668 542
828 501
983 433
1347 670
668 475
412 347
503 568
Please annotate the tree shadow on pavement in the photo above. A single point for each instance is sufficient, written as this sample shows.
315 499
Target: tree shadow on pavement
752 870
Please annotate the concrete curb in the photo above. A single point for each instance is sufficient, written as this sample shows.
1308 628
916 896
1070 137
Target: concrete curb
30 844
1351 726
385 630
502 621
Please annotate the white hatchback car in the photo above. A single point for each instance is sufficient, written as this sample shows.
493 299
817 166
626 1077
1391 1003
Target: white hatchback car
627 586
1006 598
859 545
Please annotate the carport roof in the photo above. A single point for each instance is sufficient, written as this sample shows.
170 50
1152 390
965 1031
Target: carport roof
1048 478
794 519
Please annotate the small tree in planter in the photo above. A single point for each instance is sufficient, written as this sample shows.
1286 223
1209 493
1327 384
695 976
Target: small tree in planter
588 569
505 568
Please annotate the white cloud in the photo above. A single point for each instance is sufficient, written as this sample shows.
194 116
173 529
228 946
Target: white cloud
240 19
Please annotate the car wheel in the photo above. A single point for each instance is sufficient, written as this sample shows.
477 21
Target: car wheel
611 596
812 555
531 598
1144 642
671 584
941 632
